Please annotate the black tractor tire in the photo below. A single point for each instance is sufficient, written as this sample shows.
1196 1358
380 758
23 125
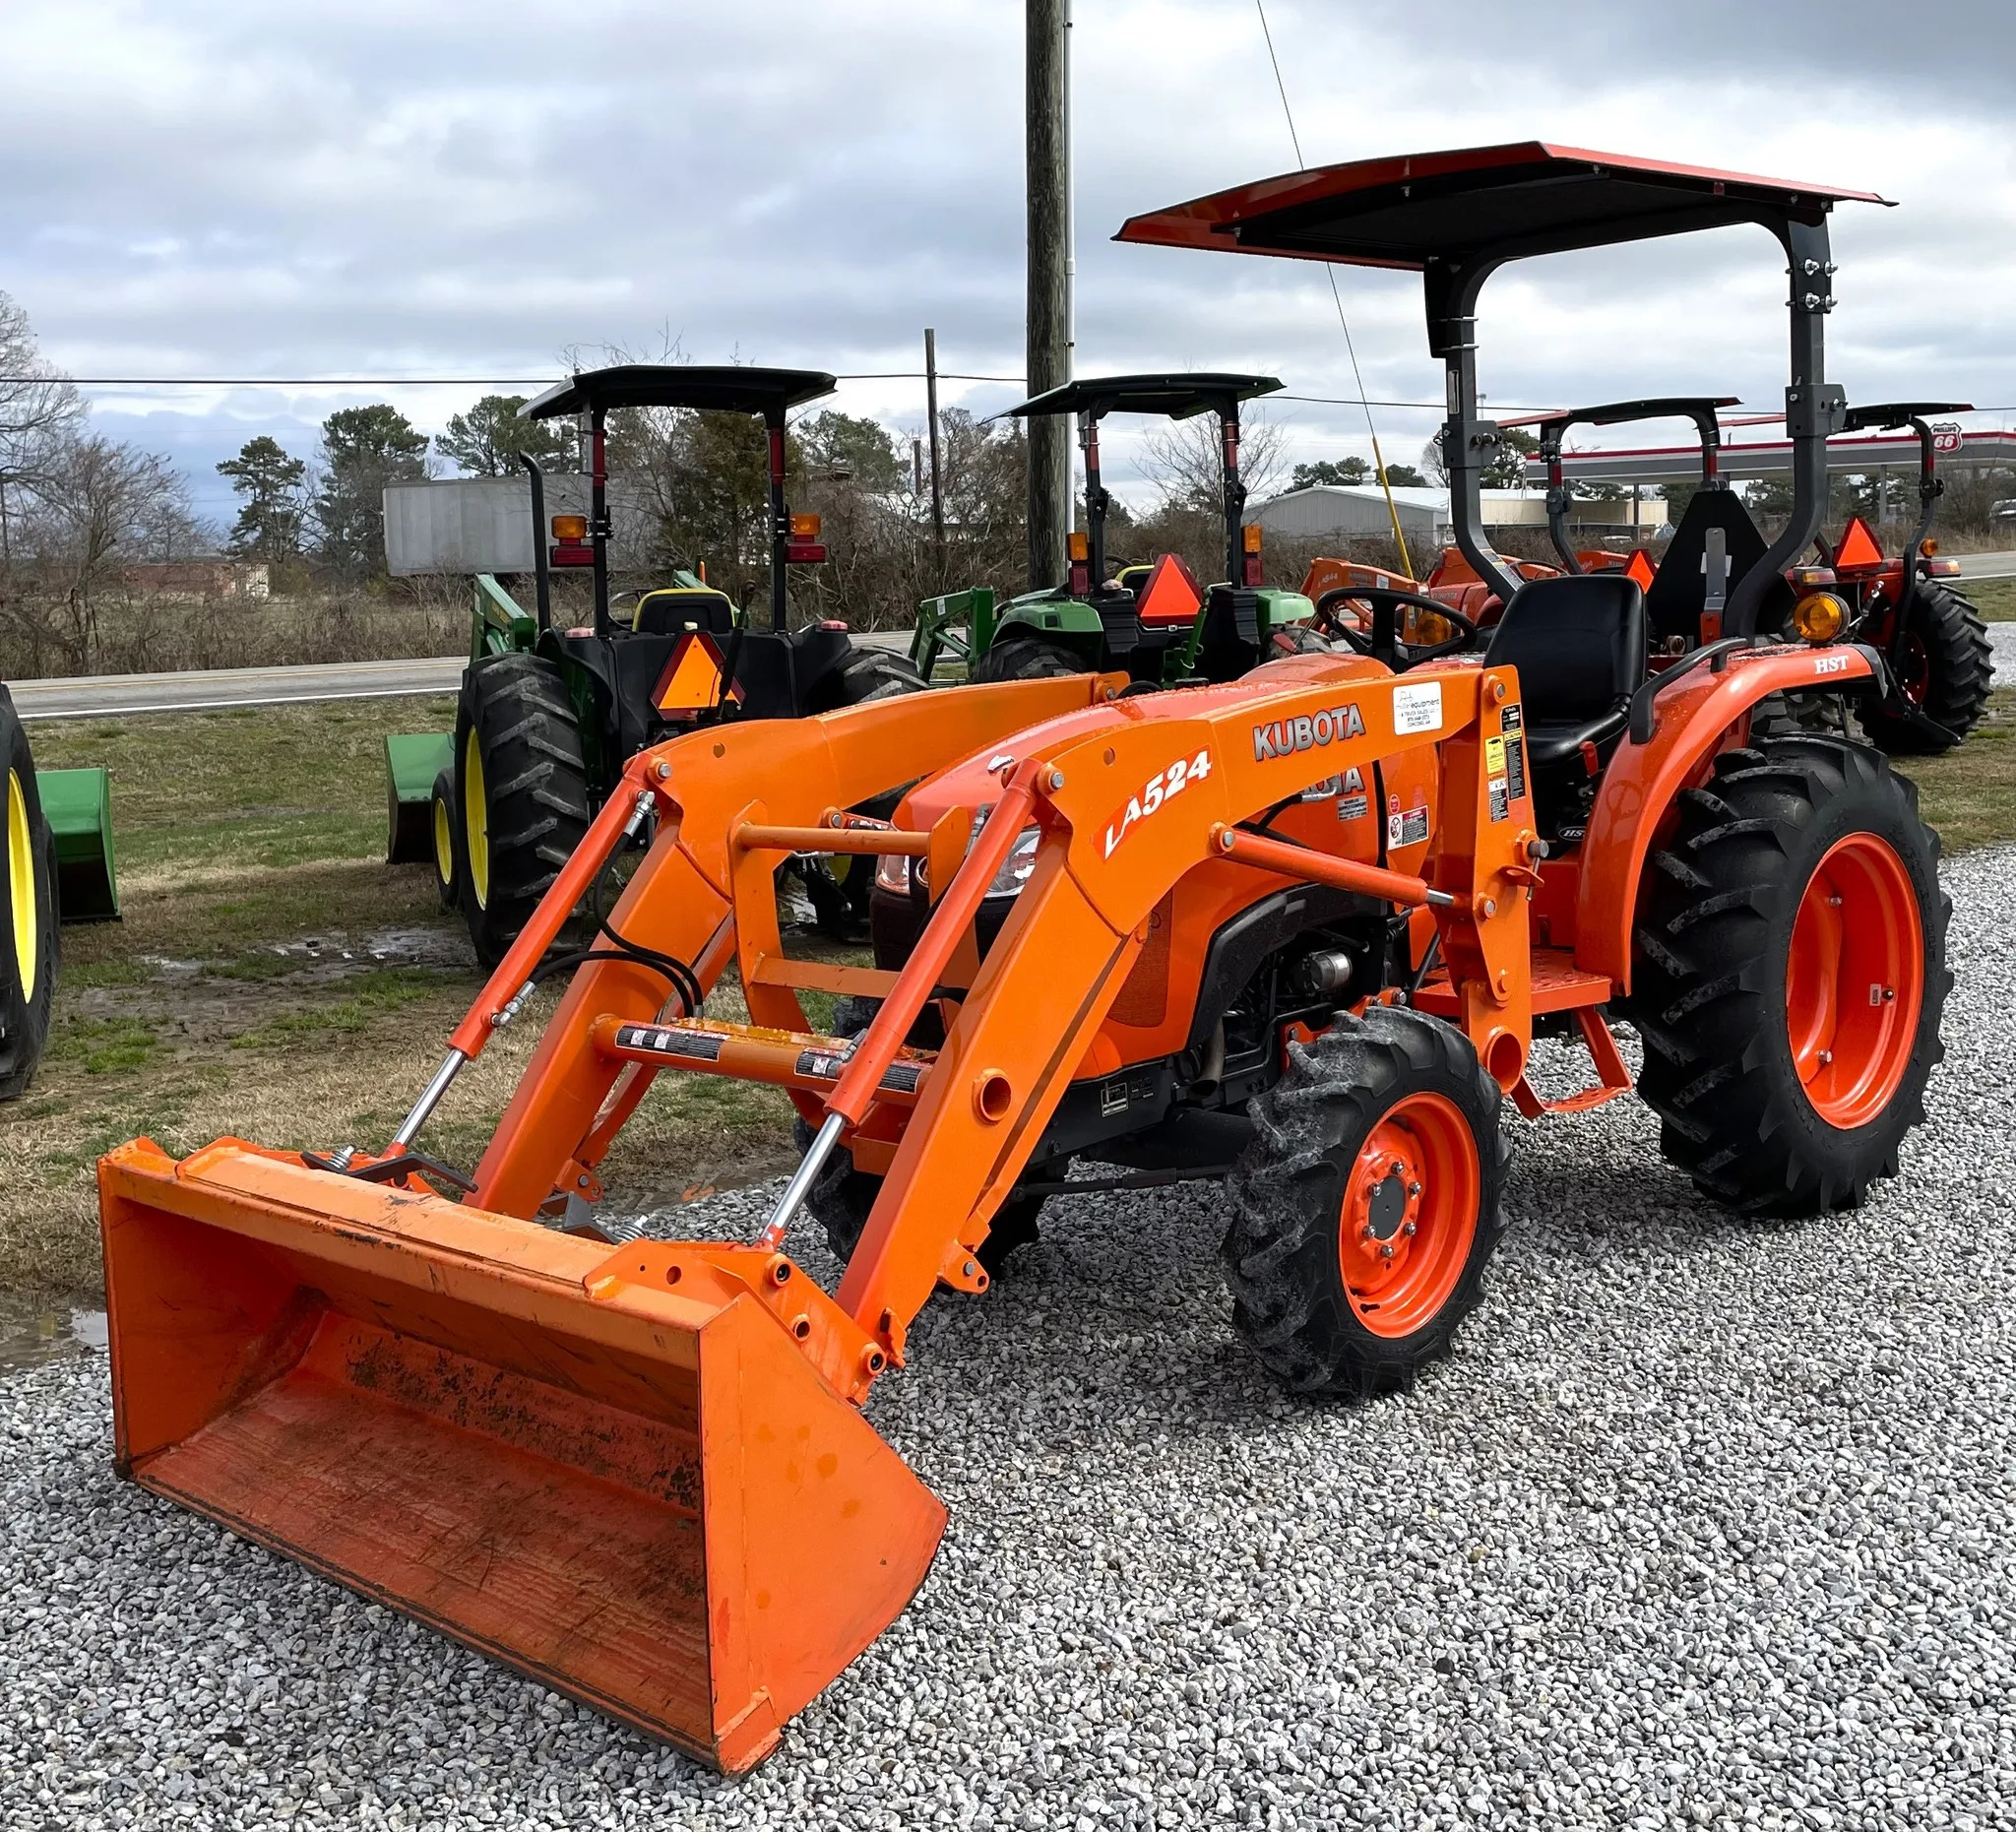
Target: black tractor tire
842 1197
30 938
867 675
1027 658
521 783
1726 966
1393 1077
444 821
1950 645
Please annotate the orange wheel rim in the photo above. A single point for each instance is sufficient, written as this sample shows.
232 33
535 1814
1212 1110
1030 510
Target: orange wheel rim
1854 983
1410 1213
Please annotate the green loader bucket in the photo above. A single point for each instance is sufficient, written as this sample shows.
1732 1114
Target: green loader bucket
411 763
78 805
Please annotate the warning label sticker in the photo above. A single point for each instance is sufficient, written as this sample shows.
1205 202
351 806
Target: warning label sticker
1501 803
1494 756
1515 767
1418 708
1409 829
1352 807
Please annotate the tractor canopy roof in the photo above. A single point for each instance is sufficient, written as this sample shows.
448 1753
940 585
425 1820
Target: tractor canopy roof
1478 203
1881 416
1176 396
1617 412
726 388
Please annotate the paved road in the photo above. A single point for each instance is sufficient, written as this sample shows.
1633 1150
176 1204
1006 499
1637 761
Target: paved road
1987 565
101 695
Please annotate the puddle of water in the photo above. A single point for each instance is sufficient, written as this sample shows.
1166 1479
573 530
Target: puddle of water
30 1333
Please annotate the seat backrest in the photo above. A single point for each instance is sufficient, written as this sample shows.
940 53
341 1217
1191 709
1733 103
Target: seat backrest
674 609
1680 590
1577 642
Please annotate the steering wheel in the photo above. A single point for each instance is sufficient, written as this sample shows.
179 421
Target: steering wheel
1382 642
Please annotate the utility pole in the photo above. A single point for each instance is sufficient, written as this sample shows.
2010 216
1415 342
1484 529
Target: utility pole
937 486
1048 365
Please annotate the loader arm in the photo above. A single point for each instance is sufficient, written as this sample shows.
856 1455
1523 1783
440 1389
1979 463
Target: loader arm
679 902
1129 803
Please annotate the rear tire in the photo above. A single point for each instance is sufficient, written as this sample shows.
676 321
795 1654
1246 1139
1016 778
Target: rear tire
445 826
1779 916
1947 671
868 674
521 783
1365 1207
1027 658
30 938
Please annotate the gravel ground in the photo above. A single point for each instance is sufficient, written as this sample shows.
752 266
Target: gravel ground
1705 1524
2002 639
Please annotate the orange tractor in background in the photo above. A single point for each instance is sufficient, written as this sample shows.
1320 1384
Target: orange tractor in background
1294 933
1933 642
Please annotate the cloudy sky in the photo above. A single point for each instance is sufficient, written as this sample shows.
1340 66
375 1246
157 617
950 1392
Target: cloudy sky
477 188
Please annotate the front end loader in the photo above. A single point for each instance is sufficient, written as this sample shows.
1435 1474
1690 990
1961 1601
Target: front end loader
1292 934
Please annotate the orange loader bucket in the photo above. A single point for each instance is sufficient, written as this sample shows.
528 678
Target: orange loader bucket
634 1473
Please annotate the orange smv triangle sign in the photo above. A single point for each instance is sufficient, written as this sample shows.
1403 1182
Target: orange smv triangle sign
1171 595
691 681
1640 569
1859 546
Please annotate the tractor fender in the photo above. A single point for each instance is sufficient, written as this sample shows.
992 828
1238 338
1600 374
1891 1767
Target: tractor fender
1700 715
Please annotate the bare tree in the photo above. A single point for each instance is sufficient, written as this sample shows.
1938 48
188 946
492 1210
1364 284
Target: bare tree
39 411
97 507
1183 461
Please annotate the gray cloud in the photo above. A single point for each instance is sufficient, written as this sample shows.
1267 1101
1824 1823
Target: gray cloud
367 188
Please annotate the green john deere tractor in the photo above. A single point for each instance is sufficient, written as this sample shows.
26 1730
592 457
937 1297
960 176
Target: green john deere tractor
1153 622
548 717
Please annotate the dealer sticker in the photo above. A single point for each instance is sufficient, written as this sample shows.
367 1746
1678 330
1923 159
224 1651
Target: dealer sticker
1418 708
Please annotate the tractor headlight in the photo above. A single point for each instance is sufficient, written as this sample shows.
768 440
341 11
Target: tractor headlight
1819 616
894 870
1016 867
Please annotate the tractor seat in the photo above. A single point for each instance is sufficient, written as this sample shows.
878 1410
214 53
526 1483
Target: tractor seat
1579 646
672 610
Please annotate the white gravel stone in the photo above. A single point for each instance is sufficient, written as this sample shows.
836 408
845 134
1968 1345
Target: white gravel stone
1707 1523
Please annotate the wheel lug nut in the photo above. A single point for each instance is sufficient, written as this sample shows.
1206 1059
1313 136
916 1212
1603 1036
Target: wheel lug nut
1826 1058
1407 1228
1414 1189
1386 1251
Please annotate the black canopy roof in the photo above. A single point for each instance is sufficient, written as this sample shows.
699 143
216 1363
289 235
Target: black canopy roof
1522 199
1176 396
1881 416
728 387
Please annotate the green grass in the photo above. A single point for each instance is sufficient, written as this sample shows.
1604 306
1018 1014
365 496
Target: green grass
1994 599
1969 796
266 787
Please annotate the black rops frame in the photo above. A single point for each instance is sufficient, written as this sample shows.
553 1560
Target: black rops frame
1699 408
1814 407
726 388
1458 216
1889 416
1172 397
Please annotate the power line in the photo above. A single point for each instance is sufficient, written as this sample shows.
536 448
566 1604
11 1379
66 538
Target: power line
1337 299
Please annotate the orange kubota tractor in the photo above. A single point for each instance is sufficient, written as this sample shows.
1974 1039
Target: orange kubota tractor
1296 931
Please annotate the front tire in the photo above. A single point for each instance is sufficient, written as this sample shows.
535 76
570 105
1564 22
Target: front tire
1946 669
1367 1204
445 826
522 787
1790 977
